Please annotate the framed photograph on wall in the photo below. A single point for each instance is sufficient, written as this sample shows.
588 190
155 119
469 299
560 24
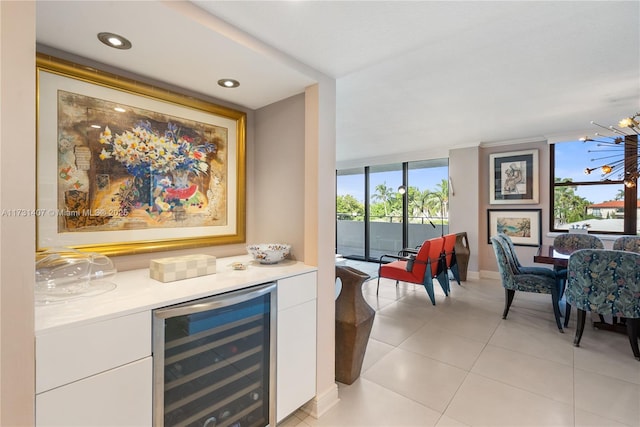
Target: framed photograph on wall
513 177
123 167
523 226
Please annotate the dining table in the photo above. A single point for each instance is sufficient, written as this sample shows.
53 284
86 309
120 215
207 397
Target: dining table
547 254
559 258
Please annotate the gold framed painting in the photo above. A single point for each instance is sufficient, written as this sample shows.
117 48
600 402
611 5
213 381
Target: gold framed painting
123 167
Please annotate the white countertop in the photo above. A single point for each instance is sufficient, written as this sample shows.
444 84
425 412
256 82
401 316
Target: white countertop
136 291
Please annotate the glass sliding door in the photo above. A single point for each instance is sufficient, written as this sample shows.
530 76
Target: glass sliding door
350 230
428 200
373 218
385 210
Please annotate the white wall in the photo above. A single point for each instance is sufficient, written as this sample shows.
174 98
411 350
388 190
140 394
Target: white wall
294 202
464 200
279 175
319 229
17 191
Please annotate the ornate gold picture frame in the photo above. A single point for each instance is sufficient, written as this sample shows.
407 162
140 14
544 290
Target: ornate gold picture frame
123 167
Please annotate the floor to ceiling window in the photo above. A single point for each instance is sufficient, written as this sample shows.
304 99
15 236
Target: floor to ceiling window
374 218
350 190
385 210
428 200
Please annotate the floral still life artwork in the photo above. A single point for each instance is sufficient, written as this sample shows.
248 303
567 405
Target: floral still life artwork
124 168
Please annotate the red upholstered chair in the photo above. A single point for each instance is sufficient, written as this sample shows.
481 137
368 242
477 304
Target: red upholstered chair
420 268
449 254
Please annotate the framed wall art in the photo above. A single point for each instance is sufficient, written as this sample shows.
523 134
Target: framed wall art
523 226
513 177
124 168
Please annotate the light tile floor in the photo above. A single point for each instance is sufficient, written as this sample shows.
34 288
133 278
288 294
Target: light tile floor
459 364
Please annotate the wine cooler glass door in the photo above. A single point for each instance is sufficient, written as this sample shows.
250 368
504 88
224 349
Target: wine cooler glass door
214 361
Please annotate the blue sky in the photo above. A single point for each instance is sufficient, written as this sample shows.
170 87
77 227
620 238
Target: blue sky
426 178
572 159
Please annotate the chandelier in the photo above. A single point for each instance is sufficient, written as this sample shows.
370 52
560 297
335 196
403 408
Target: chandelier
624 163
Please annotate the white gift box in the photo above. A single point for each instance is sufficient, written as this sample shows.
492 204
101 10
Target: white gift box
182 267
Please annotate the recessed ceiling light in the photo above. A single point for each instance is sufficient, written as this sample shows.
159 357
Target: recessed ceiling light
114 40
119 109
228 83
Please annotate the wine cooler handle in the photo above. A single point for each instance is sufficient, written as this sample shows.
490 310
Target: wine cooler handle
216 301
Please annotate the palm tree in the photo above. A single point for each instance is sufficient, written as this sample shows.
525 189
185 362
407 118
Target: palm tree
418 202
438 200
563 197
383 194
569 207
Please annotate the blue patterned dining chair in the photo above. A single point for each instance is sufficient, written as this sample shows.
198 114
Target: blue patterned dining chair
627 243
569 242
513 280
521 268
566 244
606 282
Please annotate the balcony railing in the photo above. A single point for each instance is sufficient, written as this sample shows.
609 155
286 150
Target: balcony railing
385 234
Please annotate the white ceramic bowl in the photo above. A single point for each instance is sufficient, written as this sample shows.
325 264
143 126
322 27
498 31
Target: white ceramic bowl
269 253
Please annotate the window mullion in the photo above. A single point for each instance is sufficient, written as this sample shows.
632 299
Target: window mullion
631 192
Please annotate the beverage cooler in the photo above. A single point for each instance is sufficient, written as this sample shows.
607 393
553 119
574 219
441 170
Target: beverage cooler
214 361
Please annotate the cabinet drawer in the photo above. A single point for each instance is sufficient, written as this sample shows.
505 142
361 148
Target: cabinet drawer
118 397
296 290
73 353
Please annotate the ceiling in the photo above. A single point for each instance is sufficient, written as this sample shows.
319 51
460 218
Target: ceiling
413 79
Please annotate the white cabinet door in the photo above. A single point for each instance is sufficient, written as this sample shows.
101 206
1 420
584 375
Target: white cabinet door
296 364
118 397
77 352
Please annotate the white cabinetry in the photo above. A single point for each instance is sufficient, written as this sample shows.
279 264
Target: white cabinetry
296 364
93 355
117 397
95 374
